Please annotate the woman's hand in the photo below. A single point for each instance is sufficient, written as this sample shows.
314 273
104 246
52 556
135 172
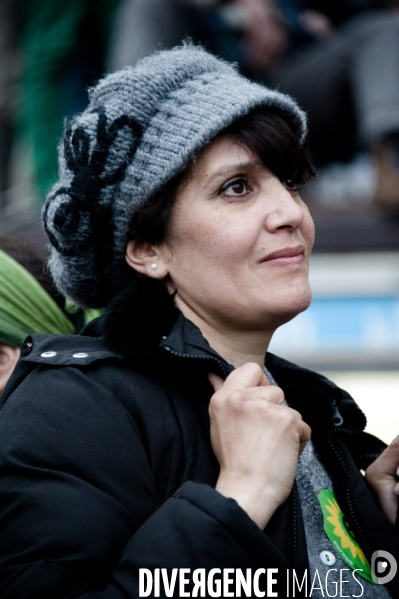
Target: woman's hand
380 475
256 439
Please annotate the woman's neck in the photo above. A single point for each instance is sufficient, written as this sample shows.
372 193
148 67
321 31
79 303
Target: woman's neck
237 349
236 346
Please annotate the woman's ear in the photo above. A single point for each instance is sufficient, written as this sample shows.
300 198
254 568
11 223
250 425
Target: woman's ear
8 358
147 259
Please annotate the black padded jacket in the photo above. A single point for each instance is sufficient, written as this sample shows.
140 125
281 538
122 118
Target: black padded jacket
106 466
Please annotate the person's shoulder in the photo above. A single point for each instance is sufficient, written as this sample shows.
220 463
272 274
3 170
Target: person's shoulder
66 350
79 366
42 355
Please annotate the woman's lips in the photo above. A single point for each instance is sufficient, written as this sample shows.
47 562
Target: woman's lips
286 257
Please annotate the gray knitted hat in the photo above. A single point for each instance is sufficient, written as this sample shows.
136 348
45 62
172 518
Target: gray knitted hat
142 126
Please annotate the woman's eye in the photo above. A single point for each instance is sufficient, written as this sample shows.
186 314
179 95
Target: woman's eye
290 184
237 188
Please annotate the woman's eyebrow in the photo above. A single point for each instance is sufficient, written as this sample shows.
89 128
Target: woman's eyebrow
233 168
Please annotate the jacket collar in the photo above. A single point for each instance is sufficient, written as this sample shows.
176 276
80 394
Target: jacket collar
317 398
139 324
161 326
185 340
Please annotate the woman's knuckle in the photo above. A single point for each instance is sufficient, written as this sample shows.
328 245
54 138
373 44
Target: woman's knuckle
216 404
287 419
253 367
370 474
394 445
297 414
253 371
279 394
236 398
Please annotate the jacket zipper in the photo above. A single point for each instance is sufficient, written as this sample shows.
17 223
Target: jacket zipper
196 357
346 470
355 521
294 528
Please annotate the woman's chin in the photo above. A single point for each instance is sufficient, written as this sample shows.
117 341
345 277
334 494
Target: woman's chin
289 307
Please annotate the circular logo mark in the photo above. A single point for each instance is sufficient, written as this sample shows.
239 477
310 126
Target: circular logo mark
383 567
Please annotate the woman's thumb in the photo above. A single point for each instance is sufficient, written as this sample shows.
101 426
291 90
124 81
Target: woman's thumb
216 381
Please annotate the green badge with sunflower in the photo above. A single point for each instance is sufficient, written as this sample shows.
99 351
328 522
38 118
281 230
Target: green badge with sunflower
341 536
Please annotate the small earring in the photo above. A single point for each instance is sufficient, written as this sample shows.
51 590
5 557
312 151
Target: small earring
154 266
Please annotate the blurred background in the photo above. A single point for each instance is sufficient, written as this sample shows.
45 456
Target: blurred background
339 58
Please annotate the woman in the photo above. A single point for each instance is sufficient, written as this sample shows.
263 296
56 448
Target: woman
178 209
29 302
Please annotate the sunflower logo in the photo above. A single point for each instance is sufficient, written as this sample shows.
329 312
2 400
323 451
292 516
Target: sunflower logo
340 530
342 538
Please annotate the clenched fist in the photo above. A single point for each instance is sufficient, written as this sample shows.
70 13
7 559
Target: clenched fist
256 439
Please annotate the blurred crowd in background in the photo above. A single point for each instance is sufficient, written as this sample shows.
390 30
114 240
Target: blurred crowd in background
339 58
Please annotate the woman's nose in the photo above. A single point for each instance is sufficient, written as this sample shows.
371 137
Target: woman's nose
286 209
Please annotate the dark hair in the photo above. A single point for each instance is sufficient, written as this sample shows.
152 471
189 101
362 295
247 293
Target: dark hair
26 257
264 133
268 136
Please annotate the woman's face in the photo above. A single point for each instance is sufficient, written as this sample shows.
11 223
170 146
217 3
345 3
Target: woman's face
239 243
